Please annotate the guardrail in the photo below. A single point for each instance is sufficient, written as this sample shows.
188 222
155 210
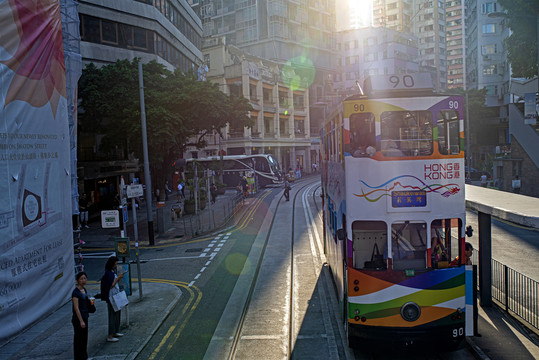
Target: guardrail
517 293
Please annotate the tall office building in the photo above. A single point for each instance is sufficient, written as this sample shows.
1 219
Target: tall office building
455 35
424 20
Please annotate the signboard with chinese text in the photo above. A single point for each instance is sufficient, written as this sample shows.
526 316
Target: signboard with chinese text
416 198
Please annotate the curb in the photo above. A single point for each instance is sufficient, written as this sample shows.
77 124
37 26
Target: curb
476 350
132 355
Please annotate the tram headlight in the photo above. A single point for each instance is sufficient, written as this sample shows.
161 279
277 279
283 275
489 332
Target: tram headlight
410 311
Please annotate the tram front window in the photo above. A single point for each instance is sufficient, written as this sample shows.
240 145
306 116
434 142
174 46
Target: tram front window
369 244
362 135
406 133
409 245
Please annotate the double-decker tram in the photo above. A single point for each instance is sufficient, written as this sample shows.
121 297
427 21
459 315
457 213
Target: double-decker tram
266 168
394 215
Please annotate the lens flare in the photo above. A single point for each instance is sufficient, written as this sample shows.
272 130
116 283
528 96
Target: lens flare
298 73
234 263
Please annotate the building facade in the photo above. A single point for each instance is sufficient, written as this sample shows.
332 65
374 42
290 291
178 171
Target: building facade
166 31
455 33
280 107
373 51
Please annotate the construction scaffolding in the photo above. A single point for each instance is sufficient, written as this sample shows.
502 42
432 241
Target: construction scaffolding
73 66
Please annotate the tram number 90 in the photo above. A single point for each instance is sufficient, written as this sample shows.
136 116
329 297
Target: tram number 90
359 107
453 104
458 332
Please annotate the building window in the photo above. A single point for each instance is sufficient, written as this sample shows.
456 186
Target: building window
109 32
488 49
489 28
490 70
488 7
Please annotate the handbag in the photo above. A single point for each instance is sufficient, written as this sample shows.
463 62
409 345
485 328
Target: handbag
118 299
91 308
377 260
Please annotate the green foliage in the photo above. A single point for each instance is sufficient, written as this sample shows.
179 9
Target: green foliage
522 43
480 132
178 108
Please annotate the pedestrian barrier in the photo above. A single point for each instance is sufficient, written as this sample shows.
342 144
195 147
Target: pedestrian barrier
517 293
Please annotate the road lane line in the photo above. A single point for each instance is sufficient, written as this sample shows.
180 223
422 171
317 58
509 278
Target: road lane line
198 275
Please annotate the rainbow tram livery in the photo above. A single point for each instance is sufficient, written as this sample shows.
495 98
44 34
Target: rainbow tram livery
394 215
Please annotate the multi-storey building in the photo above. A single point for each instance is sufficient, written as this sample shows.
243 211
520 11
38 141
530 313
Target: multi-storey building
373 51
455 42
280 30
429 25
487 68
167 31
280 109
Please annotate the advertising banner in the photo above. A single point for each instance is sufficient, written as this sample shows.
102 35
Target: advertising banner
36 238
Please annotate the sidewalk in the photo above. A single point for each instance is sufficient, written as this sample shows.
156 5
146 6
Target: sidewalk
52 337
502 337
180 229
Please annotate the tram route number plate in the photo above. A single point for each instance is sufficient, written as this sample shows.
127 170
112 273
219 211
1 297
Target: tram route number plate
416 198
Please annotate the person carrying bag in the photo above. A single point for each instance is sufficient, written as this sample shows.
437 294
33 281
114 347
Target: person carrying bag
110 289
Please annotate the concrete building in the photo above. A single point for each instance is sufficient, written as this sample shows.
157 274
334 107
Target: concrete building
281 116
167 31
282 31
455 42
429 25
487 68
373 51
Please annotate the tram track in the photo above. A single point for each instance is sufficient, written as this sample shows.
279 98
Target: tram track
291 299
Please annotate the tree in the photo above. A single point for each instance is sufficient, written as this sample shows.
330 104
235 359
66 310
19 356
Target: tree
522 44
180 110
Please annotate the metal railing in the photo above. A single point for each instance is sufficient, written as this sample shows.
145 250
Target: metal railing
516 292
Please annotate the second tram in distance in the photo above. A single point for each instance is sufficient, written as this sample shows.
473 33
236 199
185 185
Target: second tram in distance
394 215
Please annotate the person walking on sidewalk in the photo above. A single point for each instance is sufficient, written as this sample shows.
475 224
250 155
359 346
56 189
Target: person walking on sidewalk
83 209
79 297
108 281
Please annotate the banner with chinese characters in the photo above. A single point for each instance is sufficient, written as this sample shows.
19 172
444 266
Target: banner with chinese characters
36 238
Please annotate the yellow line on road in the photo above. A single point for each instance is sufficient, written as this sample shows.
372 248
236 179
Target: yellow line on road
174 331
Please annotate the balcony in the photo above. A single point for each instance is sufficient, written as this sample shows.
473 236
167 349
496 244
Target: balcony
235 134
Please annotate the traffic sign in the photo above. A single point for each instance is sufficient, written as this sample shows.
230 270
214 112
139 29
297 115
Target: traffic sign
134 191
110 219
124 213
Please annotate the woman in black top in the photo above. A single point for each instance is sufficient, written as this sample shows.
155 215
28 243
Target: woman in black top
80 317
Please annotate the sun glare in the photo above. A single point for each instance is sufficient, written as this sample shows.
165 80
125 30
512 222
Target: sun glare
360 13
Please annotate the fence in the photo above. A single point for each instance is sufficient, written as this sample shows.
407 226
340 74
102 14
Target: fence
211 217
517 293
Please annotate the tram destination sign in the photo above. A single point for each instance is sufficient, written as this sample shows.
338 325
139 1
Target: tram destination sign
417 198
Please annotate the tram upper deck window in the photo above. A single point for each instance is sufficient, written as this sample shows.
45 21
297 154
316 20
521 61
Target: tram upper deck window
369 242
362 135
409 245
406 133
448 132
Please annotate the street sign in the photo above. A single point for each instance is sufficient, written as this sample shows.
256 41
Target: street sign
124 213
134 191
110 219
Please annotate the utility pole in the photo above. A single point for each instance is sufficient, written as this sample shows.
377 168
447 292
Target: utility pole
147 178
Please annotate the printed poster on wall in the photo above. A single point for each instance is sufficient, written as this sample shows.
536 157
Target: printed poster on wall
36 239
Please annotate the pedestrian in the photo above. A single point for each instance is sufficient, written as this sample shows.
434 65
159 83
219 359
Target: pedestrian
468 252
244 186
484 180
109 280
79 297
515 184
167 190
180 191
213 193
84 204
287 190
